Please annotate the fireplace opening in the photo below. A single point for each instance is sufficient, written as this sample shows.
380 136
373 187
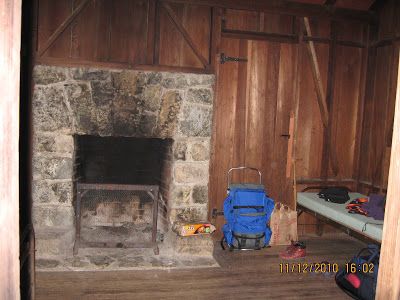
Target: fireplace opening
121 191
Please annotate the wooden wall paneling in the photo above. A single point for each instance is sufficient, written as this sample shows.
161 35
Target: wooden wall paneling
152 23
319 89
346 104
128 32
275 23
59 11
287 8
364 161
241 20
224 127
361 104
350 31
389 119
268 160
85 31
187 37
388 285
169 53
239 145
285 106
255 107
215 43
10 46
329 159
381 95
309 139
310 129
76 11
196 21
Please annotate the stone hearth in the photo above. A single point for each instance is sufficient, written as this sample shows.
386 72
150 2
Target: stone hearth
119 103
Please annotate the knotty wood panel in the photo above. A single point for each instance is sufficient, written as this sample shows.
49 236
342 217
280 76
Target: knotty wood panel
10 46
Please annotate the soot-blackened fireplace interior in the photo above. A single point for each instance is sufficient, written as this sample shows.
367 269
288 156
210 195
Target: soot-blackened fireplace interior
121 190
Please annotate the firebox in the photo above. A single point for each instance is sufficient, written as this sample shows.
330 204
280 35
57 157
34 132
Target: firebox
121 189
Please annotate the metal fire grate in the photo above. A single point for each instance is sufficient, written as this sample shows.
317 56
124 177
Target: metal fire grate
116 216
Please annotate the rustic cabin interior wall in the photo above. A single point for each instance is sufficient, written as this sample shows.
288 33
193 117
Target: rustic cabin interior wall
255 99
380 99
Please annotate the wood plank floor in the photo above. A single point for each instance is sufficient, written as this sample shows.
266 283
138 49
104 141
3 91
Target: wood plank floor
243 275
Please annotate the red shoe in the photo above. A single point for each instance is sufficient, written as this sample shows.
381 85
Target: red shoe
294 251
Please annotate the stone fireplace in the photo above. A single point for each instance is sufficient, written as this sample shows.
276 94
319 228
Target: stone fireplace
99 126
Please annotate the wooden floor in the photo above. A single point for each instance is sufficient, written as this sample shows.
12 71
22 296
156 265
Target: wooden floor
243 275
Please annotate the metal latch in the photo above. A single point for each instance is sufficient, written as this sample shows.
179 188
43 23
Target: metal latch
215 213
224 59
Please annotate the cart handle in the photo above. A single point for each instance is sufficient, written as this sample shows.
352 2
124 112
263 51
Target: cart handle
242 168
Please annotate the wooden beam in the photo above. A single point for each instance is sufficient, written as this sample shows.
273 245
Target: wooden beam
174 18
288 8
56 34
319 89
388 285
74 62
253 35
338 42
10 46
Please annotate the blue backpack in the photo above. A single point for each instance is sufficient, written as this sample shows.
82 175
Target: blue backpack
247 209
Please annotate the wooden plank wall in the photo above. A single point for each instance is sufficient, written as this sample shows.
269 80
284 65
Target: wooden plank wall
115 33
254 104
10 46
380 97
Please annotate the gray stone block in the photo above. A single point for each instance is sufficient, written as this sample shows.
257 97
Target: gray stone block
153 78
197 245
174 81
122 101
60 143
202 80
50 112
42 263
128 82
89 74
190 172
81 103
47 75
52 167
168 114
147 125
55 192
195 121
151 97
53 216
200 194
102 92
126 123
200 151
180 148
189 214
200 95
181 195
